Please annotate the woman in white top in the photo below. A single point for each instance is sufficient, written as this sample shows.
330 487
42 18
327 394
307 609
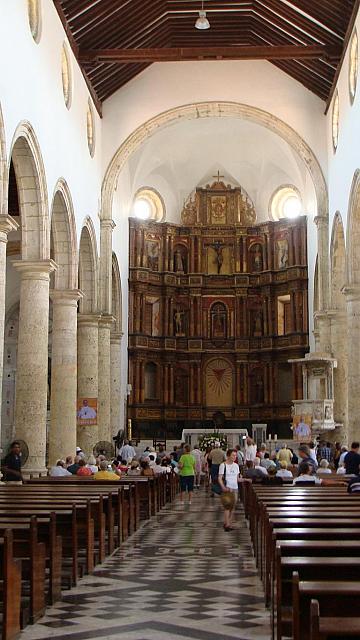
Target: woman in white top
250 450
323 467
91 464
341 471
284 472
229 476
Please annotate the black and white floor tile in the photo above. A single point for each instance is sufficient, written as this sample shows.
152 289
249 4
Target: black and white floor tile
180 576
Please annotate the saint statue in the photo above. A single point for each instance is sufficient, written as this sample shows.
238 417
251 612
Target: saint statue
258 261
178 261
179 322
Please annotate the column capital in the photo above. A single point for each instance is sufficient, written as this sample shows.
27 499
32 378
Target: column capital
107 224
321 221
66 297
34 269
7 224
107 320
88 320
115 337
351 292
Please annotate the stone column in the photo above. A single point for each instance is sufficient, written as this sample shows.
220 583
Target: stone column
62 435
104 384
352 294
115 382
105 276
88 352
339 349
32 360
7 224
322 224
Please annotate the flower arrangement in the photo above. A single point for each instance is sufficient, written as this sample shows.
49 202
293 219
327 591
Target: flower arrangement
209 439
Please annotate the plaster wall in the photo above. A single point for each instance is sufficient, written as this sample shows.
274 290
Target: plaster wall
31 89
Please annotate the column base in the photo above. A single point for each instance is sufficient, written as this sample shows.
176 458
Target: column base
35 472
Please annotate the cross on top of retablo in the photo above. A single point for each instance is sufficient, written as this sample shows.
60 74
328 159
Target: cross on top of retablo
218 176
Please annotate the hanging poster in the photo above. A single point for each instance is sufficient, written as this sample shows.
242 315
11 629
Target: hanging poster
302 428
86 413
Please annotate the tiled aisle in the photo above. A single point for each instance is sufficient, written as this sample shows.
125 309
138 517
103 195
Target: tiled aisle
181 576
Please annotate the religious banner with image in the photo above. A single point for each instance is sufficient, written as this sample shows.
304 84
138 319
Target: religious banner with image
86 413
302 428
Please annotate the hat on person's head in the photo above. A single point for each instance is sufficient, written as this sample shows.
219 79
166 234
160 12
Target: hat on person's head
152 457
217 443
78 449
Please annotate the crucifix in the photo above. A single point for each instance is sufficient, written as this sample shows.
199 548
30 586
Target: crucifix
218 176
218 246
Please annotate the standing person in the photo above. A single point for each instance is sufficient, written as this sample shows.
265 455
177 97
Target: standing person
284 455
11 466
127 451
250 450
324 452
207 465
337 454
352 460
304 456
229 477
196 453
187 473
216 457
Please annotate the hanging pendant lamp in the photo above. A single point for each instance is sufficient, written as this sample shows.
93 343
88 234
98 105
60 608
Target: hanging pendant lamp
202 22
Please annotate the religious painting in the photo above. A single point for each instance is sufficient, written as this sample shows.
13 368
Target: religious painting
152 254
328 411
218 209
282 253
219 383
181 389
151 381
256 252
257 324
257 386
219 259
86 412
218 321
302 428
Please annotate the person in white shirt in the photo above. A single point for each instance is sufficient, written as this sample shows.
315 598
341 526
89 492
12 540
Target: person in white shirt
305 475
284 472
341 471
344 452
323 467
258 468
127 451
196 453
229 477
250 450
91 464
59 470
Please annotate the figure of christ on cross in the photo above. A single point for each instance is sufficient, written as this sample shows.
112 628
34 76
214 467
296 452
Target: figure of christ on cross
219 255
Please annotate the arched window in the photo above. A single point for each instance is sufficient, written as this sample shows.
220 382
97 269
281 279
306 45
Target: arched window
353 65
285 203
218 320
66 76
90 129
34 15
149 205
151 392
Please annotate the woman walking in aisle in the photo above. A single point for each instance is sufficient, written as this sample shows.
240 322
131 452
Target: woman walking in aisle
229 477
187 473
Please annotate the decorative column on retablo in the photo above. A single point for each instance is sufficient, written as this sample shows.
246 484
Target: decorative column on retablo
104 384
7 224
352 293
88 348
115 386
62 433
32 360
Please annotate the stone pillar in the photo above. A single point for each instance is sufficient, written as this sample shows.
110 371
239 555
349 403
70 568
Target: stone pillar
62 434
32 360
322 224
7 224
88 348
340 352
352 294
104 384
115 382
105 276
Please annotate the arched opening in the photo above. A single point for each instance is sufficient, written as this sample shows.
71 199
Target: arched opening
88 269
63 238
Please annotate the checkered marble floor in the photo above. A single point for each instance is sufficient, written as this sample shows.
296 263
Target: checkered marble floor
180 576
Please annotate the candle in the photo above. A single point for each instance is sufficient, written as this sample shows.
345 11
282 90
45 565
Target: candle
275 436
269 436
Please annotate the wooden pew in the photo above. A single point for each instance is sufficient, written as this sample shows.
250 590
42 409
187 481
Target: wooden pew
325 628
336 598
10 575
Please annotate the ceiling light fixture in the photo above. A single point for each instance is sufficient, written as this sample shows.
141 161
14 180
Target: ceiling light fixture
202 22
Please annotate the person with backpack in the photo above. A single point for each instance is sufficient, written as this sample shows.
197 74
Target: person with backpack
229 477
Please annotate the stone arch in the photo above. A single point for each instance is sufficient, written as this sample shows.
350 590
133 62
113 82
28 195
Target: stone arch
116 306
337 263
88 268
3 164
211 110
63 237
33 198
353 232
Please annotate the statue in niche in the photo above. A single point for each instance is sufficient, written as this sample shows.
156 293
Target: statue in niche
282 253
179 321
179 266
258 388
257 257
219 259
218 321
257 324
152 251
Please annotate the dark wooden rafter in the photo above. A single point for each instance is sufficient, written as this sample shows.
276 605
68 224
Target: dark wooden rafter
114 40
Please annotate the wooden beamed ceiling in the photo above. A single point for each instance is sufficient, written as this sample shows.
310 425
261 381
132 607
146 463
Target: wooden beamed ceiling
114 40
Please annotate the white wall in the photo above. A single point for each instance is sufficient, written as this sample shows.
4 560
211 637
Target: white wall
343 164
31 89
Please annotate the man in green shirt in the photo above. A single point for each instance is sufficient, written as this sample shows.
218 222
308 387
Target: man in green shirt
187 473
